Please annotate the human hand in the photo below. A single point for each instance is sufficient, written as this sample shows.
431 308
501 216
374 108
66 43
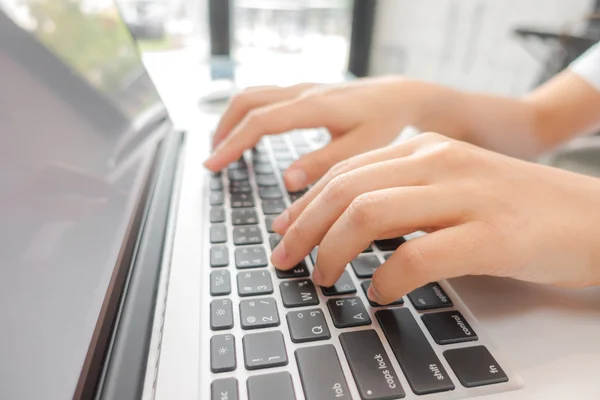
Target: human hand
361 115
487 214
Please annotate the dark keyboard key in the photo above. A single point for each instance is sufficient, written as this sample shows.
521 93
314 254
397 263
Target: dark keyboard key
299 271
269 192
273 206
219 256
216 198
237 174
217 214
296 195
266 180
244 216
240 187
386 256
389 244
429 297
250 257
373 372
365 286
368 250
264 350
216 183
343 285
259 313
218 233
263 169
220 283
241 200
277 386
422 367
215 174
348 312
448 327
238 164
222 353
475 366
224 389
298 293
246 235
321 373
253 283
274 239
221 314
365 266
269 222
307 325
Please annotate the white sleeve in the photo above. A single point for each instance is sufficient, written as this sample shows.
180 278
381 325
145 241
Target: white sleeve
588 66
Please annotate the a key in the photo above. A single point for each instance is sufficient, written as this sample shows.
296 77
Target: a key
284 164
252 283
269 222
222 353
348 312
246 235
389 244
296 195
237 174
475 366
218 233
298 293
365 266
429 297
215 174
221 314
241 200
284 156
277 386
302 150
299 271
307 325
321 373
279 146
264 350
371 367
273 206
261 158
238 164
269 192
259 313
219 256
421 366
217 214
266 180
224 389
365 286
216 183
244 216
274 239
386 256
368 250
216 198
263 169
343 285
220 283
250 257
448 327
240 187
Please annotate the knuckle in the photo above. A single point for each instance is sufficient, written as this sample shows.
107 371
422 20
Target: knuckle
363 210
450 153
339 168
338 188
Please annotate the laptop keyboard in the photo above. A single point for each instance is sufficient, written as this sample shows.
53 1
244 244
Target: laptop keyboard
332 342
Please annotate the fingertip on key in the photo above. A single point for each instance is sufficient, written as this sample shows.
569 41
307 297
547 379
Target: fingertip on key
295 178
281 223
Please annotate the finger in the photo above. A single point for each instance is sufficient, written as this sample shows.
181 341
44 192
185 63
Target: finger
298 113
250 99
313 166
317 219
444 254
287 218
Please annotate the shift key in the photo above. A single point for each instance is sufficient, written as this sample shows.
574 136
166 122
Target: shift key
321 374
373 372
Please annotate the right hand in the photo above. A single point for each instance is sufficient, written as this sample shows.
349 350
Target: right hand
361 115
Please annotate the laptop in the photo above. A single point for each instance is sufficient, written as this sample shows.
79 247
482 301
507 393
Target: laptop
128 271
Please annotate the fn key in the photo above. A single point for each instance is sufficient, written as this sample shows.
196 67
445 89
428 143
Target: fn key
475 366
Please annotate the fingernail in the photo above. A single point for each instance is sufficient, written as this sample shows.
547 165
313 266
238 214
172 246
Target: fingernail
279 254
317 277
372 294
295 178
281 223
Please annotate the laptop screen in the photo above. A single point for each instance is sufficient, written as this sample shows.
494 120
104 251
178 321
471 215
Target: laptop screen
77 116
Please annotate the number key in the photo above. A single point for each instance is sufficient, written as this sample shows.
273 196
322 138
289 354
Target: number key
253 283
246 235
259 313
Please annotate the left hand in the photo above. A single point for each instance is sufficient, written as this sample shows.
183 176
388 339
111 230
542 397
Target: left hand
486 214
